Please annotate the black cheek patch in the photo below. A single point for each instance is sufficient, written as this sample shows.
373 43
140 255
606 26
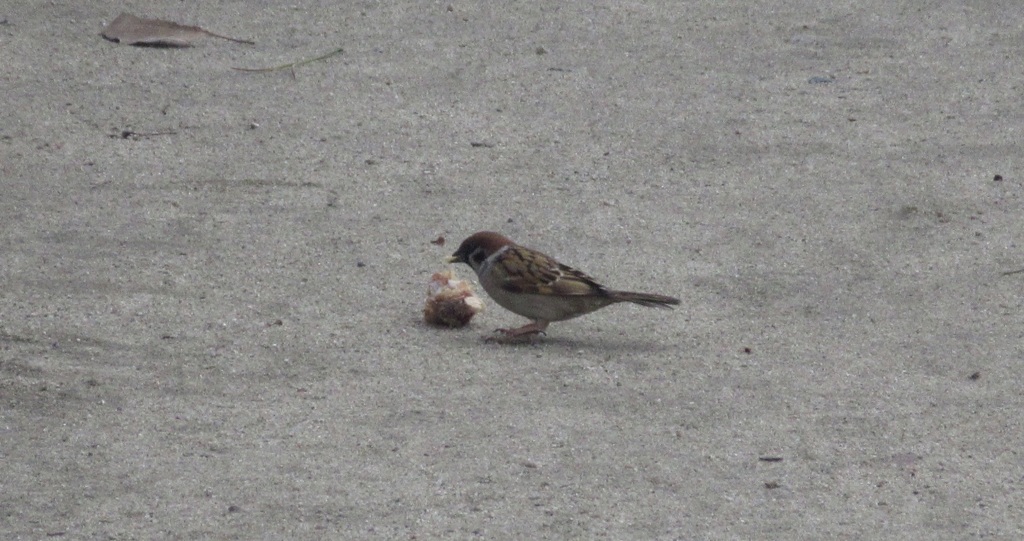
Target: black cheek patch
477 257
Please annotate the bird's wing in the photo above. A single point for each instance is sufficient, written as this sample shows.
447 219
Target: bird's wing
529 271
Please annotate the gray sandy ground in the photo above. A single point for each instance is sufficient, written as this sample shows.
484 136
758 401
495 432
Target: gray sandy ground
211 280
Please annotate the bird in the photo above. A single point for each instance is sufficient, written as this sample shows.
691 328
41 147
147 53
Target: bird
537 286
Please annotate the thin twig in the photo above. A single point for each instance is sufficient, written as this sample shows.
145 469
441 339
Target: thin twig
292 65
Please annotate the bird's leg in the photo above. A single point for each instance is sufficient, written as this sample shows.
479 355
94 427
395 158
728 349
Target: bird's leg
537 327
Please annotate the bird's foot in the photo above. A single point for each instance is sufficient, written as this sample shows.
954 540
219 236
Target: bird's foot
526 332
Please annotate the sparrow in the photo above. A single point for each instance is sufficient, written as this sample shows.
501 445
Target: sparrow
537 286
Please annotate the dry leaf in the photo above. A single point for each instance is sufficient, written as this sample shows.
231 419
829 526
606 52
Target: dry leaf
132 30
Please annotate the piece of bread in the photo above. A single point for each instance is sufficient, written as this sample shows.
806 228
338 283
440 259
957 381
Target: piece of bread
450 301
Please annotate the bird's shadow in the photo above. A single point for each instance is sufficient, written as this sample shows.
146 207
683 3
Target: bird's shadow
604 344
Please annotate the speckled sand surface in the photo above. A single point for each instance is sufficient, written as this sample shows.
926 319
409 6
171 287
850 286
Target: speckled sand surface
211 280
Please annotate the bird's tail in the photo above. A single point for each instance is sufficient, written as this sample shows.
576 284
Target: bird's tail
644 299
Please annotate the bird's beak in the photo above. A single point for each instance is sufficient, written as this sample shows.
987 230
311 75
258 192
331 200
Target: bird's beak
451 259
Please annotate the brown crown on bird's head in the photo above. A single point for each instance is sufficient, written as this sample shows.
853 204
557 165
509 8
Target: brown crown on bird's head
478 247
